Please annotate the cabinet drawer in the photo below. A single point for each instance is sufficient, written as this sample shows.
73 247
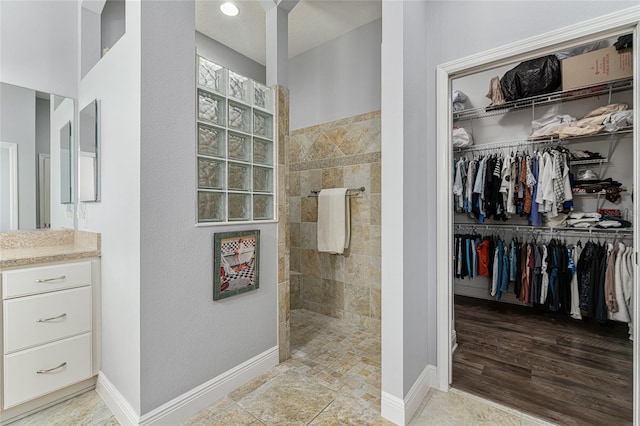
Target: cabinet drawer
33 320
41 279
32 372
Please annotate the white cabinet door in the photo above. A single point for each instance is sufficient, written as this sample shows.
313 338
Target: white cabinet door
38 371
43 318
22 282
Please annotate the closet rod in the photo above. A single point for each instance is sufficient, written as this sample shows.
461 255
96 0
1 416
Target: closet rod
553 140
546 229
503 145
350 192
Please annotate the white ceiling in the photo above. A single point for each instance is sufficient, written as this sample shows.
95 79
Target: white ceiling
311 23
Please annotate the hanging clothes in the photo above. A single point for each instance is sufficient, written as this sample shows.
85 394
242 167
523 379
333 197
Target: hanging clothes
536 281
484 251
545 275
622 286
601 303
499 186
535 217
575 298
594 281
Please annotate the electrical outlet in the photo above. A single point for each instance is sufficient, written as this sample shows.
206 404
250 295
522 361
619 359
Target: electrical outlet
82 215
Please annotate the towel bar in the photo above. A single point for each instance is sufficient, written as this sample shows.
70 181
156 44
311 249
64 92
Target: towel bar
352 192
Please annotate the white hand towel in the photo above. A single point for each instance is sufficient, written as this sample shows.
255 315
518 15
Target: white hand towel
334 225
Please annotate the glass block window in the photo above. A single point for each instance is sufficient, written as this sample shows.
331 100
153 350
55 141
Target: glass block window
235 146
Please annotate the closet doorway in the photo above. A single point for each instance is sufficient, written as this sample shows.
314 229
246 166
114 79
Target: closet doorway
538 350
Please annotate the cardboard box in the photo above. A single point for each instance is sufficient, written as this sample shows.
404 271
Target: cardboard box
599 66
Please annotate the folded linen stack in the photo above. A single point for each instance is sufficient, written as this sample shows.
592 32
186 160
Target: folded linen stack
591 123
549 125
594 219
612 117
591 185
613 222
583 220
585 155
618 120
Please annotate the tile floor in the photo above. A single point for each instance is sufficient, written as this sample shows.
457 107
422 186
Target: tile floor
86 409
332 378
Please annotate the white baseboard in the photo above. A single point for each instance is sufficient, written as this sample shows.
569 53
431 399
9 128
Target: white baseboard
186 405
428 378
392 408
117 403
400 411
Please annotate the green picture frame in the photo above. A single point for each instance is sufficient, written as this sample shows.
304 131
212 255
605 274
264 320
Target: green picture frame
236 263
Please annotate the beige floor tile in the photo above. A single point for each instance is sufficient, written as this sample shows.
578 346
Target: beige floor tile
453 409
288 399
528 420
221 405
85 409
232 415
111 421
254 384
349 410
332 378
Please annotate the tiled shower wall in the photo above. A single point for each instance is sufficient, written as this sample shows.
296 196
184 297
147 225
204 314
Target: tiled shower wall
343 153
284 289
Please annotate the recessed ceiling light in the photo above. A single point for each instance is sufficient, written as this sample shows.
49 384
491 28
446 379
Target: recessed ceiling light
229 9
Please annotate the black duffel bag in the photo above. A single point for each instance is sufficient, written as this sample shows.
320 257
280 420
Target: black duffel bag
530 78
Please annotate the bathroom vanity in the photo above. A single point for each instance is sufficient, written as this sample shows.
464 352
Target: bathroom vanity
50 288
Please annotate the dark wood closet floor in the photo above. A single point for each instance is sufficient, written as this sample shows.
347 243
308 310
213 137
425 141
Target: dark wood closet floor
548 365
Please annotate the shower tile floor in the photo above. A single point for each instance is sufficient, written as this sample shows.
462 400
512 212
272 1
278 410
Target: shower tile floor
332 378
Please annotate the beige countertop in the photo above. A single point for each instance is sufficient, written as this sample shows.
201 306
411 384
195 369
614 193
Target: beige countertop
39 247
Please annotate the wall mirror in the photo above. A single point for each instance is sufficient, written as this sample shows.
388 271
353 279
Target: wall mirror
32 141
89 156
66 163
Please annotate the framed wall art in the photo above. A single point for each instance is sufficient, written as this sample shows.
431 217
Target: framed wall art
236 263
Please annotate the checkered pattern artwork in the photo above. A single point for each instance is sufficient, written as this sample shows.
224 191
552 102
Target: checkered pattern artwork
248 273
230 246
236 263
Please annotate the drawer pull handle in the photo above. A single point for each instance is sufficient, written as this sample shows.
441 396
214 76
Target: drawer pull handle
48 280
52 318
51 369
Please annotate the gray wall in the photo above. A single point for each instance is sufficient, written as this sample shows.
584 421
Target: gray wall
112 23
229 58
38 45
186 337
18 125
431 25
419 258
338 79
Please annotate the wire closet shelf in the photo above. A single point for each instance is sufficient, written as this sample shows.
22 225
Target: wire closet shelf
547 99
536 143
